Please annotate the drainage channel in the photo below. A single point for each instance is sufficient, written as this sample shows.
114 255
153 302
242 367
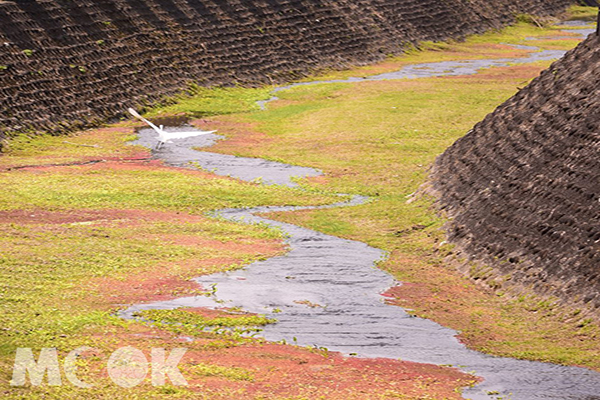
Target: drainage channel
326 291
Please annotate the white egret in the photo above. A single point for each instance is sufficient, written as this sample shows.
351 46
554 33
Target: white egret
164 136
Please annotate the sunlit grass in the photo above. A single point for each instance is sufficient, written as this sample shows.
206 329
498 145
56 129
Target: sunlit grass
119 220
583 13
379 139
372 138
203 102
162 189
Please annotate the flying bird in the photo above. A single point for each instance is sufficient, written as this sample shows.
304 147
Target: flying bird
164 136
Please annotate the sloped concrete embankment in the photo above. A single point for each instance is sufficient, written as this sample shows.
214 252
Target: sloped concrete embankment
66 64
523 187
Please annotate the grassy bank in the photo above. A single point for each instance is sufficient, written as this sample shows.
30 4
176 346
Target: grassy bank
379 139
90 225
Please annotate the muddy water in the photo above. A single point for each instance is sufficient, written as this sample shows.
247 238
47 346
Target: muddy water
327 291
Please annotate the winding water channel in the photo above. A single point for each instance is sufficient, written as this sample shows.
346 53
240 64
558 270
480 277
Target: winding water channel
327 291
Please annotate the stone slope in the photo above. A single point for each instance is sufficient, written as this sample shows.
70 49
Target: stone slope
67 64
523 187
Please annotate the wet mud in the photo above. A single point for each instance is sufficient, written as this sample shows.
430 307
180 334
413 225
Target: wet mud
326 291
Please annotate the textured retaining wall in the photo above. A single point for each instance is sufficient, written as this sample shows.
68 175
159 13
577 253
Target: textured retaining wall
66 64
523 187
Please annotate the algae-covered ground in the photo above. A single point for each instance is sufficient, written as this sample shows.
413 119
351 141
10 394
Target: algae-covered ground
91 224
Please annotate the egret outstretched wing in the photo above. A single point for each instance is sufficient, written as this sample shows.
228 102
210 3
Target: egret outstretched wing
164 136
182 135
138 116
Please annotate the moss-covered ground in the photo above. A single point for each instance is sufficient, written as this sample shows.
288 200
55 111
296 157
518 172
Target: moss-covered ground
90 225
379 139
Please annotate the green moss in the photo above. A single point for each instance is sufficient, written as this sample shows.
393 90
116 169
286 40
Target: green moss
83 188
379 139
583 13
184 317
202 101
230 373
375 138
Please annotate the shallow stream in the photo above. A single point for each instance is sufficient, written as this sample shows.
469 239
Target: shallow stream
326 291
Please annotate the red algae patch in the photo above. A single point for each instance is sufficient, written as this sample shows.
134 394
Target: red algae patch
283 371
240 135
160 280
85 147
457 305
117 164
49 217
263 247
513 73
258 369
39 216
157 284
219 367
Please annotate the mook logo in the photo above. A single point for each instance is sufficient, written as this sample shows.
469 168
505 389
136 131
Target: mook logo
127 367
